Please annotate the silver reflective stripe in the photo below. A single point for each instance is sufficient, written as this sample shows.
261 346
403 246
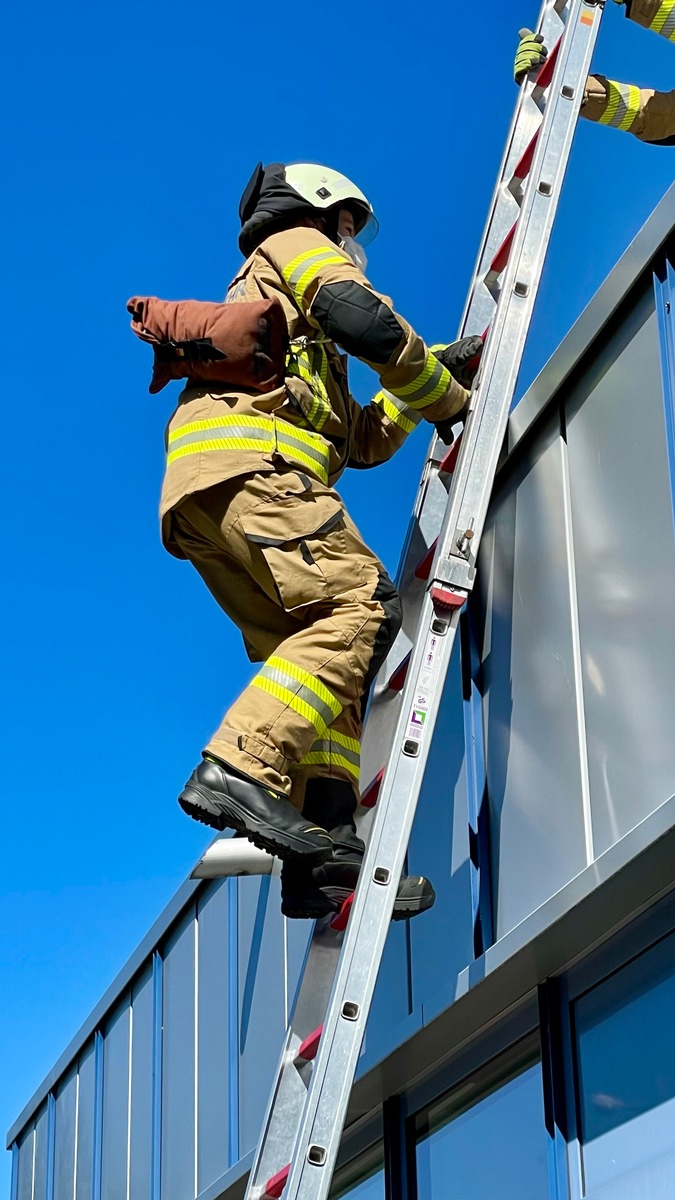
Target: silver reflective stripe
334 748
417 395
409 413
623 105
228 432
668 28
312 260
318 454
308 697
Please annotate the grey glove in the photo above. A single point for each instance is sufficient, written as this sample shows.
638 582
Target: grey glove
461 358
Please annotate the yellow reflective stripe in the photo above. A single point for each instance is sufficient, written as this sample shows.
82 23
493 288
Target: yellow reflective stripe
221 423
302 269
232 443
307 680
326 759
258 433
315 377
349 743
391 411
664 21
429 385
623 105
291 699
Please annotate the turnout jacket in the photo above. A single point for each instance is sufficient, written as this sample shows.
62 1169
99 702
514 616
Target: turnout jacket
311 422
648 114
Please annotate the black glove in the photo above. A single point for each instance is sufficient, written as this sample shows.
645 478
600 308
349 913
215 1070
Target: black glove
444 429
461 358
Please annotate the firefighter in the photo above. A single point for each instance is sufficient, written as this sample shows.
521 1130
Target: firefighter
248 499
647 114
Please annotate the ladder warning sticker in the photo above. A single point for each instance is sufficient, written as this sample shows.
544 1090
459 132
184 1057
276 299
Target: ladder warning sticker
586 18
423 696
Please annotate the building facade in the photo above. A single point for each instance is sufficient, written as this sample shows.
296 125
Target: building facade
521 1041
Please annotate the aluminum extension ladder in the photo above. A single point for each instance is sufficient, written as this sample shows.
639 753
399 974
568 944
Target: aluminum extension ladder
307 1108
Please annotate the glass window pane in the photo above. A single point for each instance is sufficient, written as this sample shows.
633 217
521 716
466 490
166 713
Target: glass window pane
362 1179
495 1148
625 1057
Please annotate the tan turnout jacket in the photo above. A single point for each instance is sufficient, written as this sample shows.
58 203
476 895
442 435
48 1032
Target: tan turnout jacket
648 114
312 422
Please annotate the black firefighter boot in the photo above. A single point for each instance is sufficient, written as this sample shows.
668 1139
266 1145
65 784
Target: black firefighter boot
225 798
315 892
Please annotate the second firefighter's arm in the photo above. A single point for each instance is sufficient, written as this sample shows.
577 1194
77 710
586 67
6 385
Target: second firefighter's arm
647 114
335 297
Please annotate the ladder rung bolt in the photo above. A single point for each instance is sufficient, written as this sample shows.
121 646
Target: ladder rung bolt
546 189
439 627
317 1155
521 289
568 93
381 875
411 748
350 1011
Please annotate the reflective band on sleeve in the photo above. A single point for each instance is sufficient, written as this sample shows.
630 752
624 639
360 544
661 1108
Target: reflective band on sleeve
623 105
406 418
432 382
300 690
664 21
336 750
300 272
260 434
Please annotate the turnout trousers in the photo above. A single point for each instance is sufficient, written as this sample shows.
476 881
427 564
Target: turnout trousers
283 559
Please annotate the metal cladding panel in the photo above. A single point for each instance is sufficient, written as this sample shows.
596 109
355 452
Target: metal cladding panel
625 557
140 1127
84 1165
262 1015
537 833
64 1150
178 1064
442 940
26 1149
117 1040
213 1022
40 1170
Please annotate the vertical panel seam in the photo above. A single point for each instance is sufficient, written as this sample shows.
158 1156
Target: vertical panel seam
129 1076
76 1133
196 1054
14 1187
32 1177
97 1154
665 317
582 743
51 1145
157 1050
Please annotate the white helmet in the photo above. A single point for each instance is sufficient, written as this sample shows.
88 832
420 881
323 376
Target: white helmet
277 192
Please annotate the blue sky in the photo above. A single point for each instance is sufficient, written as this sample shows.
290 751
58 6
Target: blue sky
130 134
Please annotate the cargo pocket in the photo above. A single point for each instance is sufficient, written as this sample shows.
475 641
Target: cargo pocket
298 545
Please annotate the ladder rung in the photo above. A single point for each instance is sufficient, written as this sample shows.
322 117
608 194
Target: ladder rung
424 567
275 1186
546 74
369 797
525 163
397 680
340 919
449 462
309 1047
444 598
502 256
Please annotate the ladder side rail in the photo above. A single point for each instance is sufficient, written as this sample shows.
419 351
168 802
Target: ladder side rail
319 1135
486 427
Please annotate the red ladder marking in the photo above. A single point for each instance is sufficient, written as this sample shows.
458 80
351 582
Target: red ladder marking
502 256
443 598
310 1046
525 164
546 74
339 922
423 568
275 1186
398 678
448 464
369 797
